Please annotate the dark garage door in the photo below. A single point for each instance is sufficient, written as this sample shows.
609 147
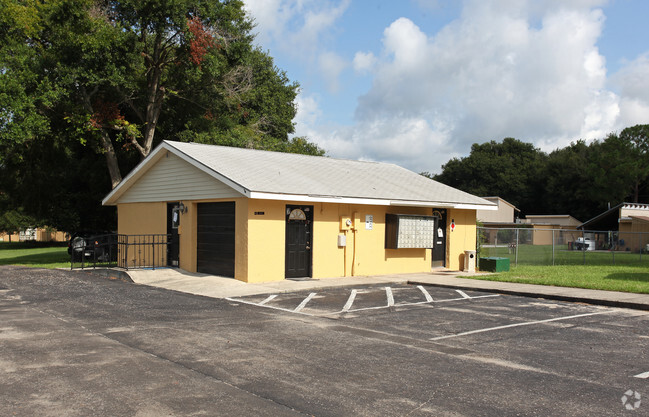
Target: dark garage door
215 239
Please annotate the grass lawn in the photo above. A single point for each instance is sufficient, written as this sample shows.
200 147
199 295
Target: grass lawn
34 256
626 278
543 254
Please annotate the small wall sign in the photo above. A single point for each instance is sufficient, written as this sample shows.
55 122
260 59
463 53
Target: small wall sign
369 222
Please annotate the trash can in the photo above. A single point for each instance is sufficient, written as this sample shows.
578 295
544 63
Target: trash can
494 264
469 261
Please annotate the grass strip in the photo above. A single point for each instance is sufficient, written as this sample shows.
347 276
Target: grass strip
625 278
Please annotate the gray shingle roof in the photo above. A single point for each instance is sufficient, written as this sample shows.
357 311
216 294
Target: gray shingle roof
282 173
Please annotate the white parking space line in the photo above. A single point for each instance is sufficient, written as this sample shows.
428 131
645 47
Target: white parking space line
270 298
304 302
426 294
643 375
237 300
347 308
350 301
388 294
527 323
463 294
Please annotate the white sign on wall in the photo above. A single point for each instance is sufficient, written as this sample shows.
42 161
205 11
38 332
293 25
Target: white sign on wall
369 222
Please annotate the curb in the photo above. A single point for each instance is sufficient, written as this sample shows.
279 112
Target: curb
109 273
557 297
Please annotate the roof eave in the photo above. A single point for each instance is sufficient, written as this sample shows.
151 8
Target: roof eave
366 201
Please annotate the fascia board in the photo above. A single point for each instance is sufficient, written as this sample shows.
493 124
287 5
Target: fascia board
440 204
318 198
364 201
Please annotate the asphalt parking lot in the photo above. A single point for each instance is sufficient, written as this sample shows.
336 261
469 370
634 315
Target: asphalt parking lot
76 344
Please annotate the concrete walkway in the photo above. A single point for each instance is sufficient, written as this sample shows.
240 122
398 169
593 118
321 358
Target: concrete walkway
219 287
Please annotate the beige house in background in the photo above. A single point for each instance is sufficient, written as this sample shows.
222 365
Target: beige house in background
505 214
564 226
629 220
539 226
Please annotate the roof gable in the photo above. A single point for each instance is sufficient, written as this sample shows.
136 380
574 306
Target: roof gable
171 178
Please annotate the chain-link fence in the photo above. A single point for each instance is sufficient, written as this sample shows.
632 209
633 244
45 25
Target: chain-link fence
540 246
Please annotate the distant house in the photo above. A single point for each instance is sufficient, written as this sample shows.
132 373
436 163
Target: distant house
505 215
266 216
564 226
623 227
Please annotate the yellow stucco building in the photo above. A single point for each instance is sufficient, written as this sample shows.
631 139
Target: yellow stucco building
265 216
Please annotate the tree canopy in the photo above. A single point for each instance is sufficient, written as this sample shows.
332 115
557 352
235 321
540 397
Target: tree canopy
82 79
580 179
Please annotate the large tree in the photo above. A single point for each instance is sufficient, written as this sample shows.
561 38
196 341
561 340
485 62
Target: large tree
118 72
81 79
509 169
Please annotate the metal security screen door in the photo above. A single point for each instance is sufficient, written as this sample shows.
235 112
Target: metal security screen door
439 250
299 231
173 248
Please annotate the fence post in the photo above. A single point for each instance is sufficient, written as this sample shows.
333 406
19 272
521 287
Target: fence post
153 251
516 249
552 247
583 248
126 253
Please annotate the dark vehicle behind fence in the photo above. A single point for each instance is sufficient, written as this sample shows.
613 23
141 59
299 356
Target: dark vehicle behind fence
93 247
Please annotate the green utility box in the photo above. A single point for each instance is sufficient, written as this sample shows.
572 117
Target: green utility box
494 264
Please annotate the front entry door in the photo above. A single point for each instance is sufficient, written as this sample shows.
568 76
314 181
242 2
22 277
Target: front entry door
439 250
299 231
173 246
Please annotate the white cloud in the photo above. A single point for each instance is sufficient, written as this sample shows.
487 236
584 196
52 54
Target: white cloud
331 65
296 27
308 111
528 69
488 75
632 81
364 62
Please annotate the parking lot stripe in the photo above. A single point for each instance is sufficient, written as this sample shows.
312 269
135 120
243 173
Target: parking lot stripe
426 294
350 301
463 294
270 298
527 323
643 375
304 302
388 294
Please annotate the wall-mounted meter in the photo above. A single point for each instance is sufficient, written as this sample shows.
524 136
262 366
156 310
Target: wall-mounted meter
345 223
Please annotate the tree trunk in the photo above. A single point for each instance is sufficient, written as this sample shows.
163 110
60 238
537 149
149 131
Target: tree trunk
111 159
155 96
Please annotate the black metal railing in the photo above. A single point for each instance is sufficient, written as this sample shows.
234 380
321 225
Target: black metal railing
117 250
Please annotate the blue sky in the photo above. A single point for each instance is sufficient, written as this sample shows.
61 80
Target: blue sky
416 82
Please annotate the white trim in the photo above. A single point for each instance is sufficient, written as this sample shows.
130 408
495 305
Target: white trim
442 205
363 201
317 198
474 207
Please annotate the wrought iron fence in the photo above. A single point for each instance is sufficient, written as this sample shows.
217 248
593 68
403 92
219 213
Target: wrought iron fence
540 246
124 251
